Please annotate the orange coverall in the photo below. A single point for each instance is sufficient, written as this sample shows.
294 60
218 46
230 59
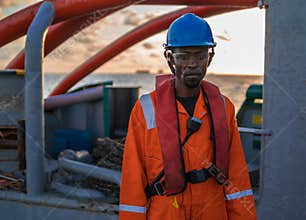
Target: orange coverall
208 200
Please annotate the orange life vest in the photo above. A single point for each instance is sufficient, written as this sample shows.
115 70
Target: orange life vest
171 147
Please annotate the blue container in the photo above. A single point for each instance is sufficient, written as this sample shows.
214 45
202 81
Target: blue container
70 139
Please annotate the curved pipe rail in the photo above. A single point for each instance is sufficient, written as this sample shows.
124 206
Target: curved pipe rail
34 112
16 25
146 30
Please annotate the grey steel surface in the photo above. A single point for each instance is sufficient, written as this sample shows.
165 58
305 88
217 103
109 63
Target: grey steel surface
83 116
19 206
76 192
121 102
86 112
8 160
34 110
283 179
11 98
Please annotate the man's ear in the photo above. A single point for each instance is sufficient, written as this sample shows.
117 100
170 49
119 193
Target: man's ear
169 57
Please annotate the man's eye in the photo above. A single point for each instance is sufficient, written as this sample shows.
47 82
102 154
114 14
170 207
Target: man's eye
201 57
184 57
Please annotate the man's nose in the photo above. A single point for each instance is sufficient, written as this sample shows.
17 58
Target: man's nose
192 63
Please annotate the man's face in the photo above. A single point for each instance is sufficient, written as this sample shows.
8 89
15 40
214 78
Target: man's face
190 65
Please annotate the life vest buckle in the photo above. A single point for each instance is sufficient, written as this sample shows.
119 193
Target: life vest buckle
158 187
218 175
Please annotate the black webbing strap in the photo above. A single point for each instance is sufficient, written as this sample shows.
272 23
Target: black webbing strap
198 176
194 176
155 188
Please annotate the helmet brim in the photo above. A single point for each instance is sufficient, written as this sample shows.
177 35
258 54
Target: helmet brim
204 44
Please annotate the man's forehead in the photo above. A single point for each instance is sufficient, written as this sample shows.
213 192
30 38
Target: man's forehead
190 49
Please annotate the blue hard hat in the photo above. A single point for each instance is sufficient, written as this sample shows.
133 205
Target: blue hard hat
189 30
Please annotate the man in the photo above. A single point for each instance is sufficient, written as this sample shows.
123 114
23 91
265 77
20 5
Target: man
183 157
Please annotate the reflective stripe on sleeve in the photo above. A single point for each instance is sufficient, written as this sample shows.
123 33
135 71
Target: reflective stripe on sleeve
148 110
132 208
238 195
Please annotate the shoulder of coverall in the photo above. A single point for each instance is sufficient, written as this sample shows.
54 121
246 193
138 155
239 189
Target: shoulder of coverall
137 109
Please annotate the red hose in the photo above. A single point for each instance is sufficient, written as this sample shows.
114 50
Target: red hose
249 3
16 25
59 33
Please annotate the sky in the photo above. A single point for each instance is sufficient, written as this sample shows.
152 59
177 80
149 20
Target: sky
239 36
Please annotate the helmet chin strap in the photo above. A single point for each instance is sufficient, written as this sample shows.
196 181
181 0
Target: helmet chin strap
211 55
171 68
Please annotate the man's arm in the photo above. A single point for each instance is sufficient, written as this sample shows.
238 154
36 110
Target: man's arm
238 193
132 190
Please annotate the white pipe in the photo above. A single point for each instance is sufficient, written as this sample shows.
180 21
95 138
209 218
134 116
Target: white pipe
90 94
257 131
91 170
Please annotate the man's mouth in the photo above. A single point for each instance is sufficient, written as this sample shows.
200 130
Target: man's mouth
192 74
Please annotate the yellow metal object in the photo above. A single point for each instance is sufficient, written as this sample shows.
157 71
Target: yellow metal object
257 119
19 72
175 204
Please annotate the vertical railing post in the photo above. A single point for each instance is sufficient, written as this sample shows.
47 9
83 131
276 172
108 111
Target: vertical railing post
34 109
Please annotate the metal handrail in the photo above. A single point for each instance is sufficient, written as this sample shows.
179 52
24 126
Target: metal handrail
256 131
34 112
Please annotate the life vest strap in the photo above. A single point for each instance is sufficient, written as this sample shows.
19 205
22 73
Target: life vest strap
194 176
167 124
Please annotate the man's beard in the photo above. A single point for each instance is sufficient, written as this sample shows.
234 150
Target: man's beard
192 84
